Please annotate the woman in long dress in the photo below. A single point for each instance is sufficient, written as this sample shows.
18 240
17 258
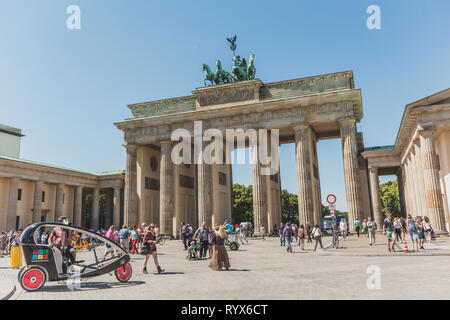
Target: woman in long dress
220 260
16 254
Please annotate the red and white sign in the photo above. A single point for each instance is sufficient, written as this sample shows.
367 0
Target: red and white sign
331 198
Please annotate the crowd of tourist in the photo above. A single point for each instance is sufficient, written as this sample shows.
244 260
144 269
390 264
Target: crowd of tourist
142 239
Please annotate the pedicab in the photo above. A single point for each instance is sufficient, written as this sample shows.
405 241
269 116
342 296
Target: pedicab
45 263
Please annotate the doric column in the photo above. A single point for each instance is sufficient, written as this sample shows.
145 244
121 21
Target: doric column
77 206
59 205
95 209
116 206
351 171
167 188
406 189
12 204
401 190
304 183
259 193
375 195
37 203
205 191
410 180
416 181
130 196
420 176
430 167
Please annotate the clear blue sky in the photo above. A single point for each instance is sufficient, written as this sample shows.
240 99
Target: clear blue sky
65 88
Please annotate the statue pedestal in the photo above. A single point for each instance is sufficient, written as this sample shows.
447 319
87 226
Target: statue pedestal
236 93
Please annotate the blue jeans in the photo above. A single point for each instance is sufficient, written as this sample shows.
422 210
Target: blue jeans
411 233
282 240
289 247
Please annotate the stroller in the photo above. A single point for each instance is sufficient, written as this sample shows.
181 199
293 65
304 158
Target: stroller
193 250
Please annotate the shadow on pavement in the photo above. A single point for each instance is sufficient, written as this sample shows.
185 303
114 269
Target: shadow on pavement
238 270
168 273
88 286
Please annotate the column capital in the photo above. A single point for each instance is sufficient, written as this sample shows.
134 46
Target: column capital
426 133
300 126
167 143
347 121
373 169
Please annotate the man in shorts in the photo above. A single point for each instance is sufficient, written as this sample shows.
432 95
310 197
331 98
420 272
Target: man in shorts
388 230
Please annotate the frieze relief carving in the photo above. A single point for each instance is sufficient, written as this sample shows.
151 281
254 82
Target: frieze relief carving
229 96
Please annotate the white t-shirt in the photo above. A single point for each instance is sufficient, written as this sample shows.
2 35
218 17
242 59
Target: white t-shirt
316 232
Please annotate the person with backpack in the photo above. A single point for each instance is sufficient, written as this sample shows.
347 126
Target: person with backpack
202 233
287 234
357 226
308 231
301 237
184 238
317 234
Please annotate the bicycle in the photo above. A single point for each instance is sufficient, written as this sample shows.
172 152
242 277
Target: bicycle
335 240
161 239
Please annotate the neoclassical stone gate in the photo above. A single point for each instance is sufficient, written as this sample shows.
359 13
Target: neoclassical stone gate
304 110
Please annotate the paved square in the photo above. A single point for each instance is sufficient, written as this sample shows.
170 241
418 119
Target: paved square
264 270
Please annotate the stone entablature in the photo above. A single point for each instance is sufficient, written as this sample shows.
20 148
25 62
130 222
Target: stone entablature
38 172
317 108
262 92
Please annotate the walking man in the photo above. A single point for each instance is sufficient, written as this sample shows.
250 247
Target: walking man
287 234
388 230
357 226
124 236
308 231
371 229
344 227
202 233
282 240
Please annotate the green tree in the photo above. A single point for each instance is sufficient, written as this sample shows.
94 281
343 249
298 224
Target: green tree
289 207
242 203
390 200
102 211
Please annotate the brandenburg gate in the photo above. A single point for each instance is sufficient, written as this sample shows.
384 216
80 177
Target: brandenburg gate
304 111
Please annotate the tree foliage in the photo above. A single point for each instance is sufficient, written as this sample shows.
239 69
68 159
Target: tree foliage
242 203
390 200
289 206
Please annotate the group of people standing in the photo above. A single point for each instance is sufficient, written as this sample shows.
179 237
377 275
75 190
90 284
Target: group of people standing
211 240
289 232
10 244
418 228
141 239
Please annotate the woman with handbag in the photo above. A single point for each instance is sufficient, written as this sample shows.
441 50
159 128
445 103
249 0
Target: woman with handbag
427 228
16 254
149 248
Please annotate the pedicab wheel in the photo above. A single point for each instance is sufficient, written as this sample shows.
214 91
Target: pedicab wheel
234 246
32 279
124 272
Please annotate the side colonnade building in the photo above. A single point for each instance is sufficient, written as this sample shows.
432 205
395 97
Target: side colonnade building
33 192
421 160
